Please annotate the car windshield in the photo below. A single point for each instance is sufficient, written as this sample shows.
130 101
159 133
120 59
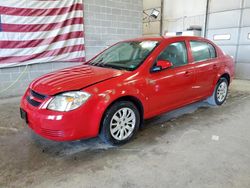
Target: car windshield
125 55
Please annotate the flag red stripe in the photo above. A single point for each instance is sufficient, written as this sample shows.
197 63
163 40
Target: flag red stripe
39 12
40 27
40 42
80 59
64 50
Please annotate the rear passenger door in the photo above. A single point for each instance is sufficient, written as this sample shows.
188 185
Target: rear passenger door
206 67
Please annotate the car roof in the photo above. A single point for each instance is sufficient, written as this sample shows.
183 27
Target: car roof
162 38
146 39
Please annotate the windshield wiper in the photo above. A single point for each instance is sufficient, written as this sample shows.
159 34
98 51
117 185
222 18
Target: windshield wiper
97 63
112 66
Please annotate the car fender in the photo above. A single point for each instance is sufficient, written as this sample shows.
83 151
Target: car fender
110 96
223 70
106 97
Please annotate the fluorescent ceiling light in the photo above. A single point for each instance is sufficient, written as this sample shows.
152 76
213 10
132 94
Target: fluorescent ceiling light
248 35
222 37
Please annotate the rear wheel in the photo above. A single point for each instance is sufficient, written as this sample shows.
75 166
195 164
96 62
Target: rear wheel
220 93
120 124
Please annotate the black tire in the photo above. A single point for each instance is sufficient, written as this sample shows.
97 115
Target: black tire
214 99
106 134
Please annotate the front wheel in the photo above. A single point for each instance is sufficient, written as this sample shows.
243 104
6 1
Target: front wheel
120 123
220 93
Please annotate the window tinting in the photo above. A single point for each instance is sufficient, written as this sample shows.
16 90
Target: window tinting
202 51
176 53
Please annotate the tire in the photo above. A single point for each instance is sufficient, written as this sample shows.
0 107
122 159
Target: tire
220 93
120 123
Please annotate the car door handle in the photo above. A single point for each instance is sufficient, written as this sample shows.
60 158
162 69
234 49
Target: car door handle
215 66
187 73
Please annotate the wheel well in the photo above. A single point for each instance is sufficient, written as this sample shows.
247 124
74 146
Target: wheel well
134 100
227 76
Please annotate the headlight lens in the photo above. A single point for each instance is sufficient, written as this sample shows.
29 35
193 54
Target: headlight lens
68 101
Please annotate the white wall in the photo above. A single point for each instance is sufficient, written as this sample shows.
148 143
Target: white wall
147 4
180 8
178 16
152 27
181 14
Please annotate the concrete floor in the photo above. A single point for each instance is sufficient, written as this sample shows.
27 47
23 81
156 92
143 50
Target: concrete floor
197 146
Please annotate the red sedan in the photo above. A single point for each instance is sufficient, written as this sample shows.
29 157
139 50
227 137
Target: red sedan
131 81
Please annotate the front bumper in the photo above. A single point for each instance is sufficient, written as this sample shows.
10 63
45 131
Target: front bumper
61 126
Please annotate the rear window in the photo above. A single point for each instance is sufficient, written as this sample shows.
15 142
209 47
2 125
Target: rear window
202 51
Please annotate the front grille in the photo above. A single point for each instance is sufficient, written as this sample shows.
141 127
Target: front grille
33 102
53 133
35 99
38 95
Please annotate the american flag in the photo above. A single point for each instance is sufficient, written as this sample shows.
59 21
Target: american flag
33 31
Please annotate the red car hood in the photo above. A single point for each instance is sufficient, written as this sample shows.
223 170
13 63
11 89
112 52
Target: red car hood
74 78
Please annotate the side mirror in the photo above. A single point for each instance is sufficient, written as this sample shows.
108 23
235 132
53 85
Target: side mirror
162 65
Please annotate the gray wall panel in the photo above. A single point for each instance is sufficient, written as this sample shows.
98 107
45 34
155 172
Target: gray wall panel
246 17
232 17
244 34
233 32
243 70
220 5
226 19
244 54
230 50
247 3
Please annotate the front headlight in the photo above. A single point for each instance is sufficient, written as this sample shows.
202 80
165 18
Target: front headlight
68 101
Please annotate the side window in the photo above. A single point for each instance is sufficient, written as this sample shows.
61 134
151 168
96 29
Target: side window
176 53
212 51
202 51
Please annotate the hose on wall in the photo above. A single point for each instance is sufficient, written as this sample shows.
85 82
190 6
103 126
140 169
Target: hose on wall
17 79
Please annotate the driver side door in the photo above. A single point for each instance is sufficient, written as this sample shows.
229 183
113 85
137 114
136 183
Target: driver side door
171 88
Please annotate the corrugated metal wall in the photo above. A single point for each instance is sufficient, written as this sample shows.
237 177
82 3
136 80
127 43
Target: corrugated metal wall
229 27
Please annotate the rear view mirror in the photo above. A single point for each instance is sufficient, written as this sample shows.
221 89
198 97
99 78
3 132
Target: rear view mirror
162 65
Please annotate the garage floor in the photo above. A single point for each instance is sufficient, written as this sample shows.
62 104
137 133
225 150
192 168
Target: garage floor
207 148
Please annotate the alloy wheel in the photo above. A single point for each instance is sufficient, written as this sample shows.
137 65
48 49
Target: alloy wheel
122 124
222 91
